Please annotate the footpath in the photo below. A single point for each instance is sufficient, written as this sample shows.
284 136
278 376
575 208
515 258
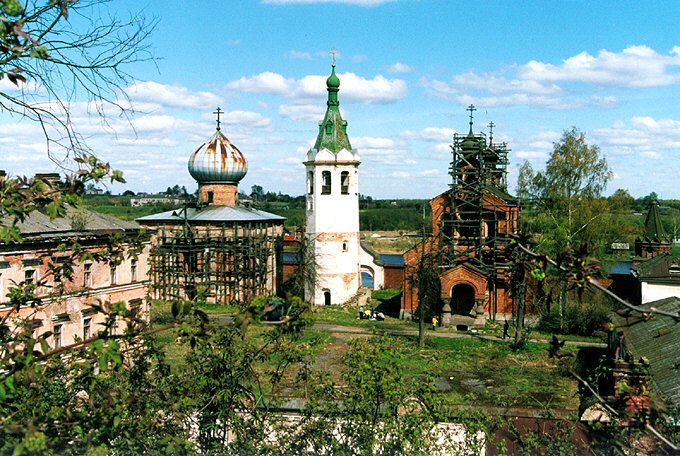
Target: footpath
227 319
326 327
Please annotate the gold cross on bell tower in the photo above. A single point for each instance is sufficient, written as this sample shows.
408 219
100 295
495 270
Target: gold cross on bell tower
333 53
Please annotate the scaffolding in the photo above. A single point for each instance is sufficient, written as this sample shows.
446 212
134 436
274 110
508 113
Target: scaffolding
230 263
476 227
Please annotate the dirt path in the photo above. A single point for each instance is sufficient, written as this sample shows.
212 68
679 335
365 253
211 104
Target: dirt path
226 319
451 335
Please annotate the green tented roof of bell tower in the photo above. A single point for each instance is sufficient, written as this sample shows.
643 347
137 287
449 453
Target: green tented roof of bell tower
332 129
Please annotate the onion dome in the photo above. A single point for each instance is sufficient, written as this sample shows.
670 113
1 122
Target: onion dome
217 160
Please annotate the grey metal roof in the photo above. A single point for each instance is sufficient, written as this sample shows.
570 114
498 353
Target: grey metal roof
76 221
658 340
212 214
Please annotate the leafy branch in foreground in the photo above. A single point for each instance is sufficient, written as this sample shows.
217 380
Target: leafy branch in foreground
59 52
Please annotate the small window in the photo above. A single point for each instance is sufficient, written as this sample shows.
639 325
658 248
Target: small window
133 271
326 183
310 182
29 276
210 197
113 270
329 128
56 334
310 204
87 328
344 183
344 246
87 275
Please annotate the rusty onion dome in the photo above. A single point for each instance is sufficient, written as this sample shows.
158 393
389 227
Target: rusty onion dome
217 160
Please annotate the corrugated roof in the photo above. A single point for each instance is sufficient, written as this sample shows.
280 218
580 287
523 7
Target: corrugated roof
658 340
212 214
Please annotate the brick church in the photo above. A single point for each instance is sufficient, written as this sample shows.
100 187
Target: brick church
471 227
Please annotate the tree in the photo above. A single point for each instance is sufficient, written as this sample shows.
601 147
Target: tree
54 61
256 192
570 213
568 192
621 201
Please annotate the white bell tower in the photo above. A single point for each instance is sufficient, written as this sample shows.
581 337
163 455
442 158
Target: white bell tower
332 170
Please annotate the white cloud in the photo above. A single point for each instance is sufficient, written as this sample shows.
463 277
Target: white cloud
267 82
173 96
300 55
399 68
567 85
635 66
443 148
530 155
246 119
370 142
302 112
311 87
640 136
498 84
432 134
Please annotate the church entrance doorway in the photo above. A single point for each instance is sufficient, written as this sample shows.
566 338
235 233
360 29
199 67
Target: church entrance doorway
462 299
327 297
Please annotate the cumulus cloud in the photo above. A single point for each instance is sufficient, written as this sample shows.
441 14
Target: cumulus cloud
642 136
431 134
399 68
172 96
267 82
311 87
302 112
635 66
566 85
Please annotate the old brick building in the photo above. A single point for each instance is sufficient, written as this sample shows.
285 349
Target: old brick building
471 225
68 306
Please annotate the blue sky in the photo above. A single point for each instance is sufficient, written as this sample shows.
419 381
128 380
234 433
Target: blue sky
408 69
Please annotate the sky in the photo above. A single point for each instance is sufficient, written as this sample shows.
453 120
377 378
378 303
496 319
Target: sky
408 69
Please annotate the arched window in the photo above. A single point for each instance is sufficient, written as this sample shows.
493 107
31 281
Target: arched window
329 128
310 182
344 182
325 182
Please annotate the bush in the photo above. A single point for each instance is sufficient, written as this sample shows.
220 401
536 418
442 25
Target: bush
580 317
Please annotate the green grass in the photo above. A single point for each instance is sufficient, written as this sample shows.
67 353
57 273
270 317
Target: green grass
489 372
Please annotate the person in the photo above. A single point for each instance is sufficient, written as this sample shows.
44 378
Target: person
367 314
380 316
434 323
506 326
361 312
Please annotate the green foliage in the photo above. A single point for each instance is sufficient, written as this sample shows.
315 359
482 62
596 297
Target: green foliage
565 198
580 316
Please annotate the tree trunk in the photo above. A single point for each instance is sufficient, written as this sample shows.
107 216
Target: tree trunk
521 308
